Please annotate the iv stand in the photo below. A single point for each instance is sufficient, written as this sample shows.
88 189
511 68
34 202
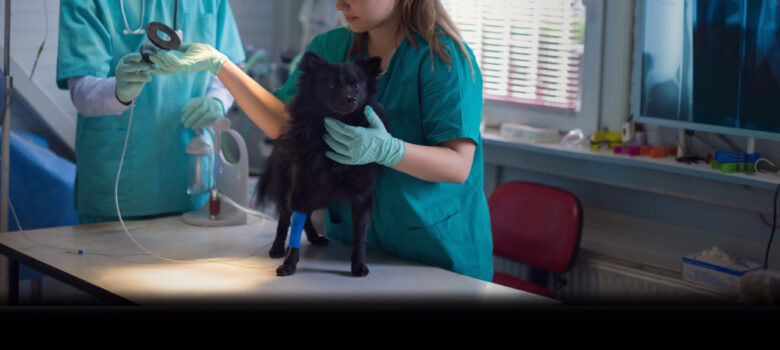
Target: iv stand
9 270
6 122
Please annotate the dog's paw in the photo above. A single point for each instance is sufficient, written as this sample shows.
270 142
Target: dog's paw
359 269
277 251
285 270
318 240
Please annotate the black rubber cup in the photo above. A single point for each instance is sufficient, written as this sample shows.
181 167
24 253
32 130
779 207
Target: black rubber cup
152 28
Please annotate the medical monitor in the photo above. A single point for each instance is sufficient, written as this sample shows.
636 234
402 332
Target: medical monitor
709 65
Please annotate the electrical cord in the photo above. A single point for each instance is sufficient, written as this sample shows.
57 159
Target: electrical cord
775 171
774 226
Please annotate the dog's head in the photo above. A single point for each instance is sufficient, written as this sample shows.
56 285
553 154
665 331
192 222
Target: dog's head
338 88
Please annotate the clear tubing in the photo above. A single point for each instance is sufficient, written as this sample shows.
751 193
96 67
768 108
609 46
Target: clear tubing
119 215
230 201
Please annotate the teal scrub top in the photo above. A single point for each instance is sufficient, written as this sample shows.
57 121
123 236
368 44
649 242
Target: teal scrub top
440 224
154 173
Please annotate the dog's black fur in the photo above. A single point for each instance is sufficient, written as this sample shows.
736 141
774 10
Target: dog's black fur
299 177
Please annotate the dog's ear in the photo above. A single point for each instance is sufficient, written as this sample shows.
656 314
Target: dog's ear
310 61
372 66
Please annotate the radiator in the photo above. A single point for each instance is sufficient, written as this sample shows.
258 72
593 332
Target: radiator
597 279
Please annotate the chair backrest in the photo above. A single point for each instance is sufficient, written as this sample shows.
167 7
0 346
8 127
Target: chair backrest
536 225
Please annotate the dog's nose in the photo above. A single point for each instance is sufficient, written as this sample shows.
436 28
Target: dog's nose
351 99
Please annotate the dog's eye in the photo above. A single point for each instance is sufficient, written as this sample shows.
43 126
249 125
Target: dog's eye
355 84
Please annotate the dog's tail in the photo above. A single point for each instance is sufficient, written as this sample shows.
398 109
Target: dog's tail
263 186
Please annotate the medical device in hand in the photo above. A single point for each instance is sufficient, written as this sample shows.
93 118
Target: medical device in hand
159 36
209 172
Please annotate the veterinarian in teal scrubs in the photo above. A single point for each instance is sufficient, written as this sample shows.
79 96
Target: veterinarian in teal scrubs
98 62
429 204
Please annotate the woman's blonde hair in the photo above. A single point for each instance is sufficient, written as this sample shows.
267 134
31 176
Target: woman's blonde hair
426 18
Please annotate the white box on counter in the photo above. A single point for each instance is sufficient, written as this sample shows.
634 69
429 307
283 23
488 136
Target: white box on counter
721 273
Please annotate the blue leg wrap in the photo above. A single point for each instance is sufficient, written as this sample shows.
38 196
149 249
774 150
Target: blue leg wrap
298 219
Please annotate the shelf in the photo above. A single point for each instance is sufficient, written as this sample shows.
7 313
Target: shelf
666 164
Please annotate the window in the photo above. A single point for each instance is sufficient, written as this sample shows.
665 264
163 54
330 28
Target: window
535 57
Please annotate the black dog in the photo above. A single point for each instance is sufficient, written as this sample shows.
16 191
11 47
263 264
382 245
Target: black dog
299 177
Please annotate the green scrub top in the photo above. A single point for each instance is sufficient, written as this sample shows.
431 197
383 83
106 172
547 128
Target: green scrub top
440 224
154 172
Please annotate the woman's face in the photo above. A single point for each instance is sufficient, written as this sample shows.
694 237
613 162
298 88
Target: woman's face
364 15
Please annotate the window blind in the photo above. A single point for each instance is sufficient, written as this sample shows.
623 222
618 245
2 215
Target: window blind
529 51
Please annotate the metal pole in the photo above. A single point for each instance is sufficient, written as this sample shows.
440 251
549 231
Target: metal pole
6 122
9 271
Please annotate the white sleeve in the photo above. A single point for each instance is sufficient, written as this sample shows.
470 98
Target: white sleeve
94 96
218 90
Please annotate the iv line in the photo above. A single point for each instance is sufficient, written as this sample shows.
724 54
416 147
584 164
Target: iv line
119 214
68 249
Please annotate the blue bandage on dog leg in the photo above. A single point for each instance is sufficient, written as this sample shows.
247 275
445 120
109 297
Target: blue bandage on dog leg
298 219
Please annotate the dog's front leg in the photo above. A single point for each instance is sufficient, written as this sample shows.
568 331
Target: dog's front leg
290 263
361 219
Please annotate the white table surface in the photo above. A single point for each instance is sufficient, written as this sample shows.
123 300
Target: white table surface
223 265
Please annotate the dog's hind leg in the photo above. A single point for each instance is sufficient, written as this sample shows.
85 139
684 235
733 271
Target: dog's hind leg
361 219
277 249
312 235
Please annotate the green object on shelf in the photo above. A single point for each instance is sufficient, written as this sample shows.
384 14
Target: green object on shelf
729 167
715 164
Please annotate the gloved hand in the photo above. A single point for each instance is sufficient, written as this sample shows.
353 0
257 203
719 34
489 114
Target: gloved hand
131 74
200 111
196 57
359 145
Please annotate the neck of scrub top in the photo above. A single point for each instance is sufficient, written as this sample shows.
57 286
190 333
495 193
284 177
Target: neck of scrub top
384 40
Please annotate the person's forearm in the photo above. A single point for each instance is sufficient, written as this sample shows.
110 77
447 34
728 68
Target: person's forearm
94 96
450 163
263 108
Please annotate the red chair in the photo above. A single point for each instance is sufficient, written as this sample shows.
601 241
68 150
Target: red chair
536 225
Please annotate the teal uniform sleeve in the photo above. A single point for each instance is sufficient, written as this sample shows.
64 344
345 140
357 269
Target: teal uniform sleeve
84 44
451 98
228 40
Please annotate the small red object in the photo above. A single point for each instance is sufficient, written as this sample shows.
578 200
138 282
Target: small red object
213 206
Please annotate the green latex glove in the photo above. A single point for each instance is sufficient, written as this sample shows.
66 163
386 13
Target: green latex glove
194 57
359 145
131 74
200 111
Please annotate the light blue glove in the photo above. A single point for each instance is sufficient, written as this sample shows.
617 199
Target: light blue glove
200 111
195 57
131 74
359 145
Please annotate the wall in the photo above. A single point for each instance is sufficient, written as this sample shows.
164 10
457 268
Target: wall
51 115
269 24
650 217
